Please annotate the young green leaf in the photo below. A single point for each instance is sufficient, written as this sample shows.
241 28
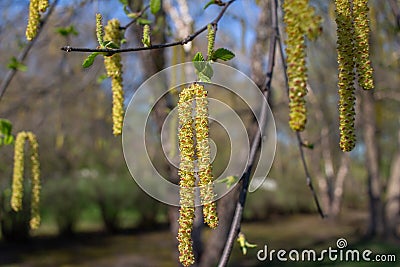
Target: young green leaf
142 21
14 64
198 57
66 31
6 137
155 6
90 59
110 45
223 54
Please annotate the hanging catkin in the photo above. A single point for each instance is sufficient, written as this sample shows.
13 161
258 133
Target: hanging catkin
345 51
113 67
300 21
33 20
361 44
204 158
18 176
186 174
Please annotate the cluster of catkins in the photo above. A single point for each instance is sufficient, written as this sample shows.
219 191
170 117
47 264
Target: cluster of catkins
300 22
353 52
18 176
35 8
189 130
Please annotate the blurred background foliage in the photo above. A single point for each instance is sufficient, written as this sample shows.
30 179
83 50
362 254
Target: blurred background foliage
86 184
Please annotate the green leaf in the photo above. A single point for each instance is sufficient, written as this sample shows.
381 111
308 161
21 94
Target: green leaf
208 72
223 54
6 137
155 6
14 64
142 21
198 57
66 31
90 59
110 45
203 69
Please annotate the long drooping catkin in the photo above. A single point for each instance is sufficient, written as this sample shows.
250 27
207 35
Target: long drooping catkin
33 20
345 44
186 174
300 21
18 176
361 44
204 158
113 66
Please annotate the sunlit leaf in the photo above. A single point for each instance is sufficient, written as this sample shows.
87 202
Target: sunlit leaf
14 64
142 21
6 137
90 59
223 54
155 6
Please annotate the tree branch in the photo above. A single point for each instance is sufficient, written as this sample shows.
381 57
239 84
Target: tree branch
245 179
186 40
135 19
11 73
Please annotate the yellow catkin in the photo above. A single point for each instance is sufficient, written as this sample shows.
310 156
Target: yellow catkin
361 44
203 157
18 173
146 41
33 20
300 21
187 177
345 50
113 67
43 5
210 41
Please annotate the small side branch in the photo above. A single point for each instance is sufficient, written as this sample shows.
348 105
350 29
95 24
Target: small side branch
135 19
156 46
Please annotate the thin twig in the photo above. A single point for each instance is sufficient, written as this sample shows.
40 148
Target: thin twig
308 176
245 179
300 142
157 46
135 19
11 73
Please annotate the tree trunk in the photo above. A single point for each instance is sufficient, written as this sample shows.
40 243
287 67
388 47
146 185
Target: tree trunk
393 195
339 184
216 242
376 218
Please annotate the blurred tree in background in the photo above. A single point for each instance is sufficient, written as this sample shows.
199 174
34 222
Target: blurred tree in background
85 179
